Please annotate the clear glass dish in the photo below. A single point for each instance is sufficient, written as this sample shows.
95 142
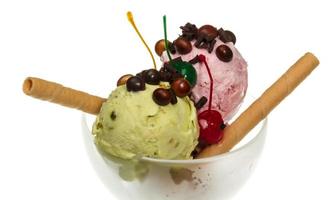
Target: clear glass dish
218 177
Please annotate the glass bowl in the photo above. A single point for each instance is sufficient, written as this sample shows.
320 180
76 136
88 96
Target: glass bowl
217 177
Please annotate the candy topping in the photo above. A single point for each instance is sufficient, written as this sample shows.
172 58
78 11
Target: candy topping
161 96
181 87
152 77
182 45
208 31
189 31
201 102
206 37
226 36
224 53
187 70
160 47
135 84
123 79
184 68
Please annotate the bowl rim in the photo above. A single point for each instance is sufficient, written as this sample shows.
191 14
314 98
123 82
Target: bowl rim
262 124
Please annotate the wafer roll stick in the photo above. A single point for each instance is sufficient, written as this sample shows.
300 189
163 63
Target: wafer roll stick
263 105
65 96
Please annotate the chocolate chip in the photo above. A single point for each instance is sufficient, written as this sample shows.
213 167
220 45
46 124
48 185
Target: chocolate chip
201 102
224 53
135 84
113 115
227 36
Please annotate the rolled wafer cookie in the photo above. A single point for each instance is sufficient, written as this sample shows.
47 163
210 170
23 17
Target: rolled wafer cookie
56 93
258 110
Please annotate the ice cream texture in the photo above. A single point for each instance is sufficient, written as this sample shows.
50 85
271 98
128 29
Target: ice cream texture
131 124
230 79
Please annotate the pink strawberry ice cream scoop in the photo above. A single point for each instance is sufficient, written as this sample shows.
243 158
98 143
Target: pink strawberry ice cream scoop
228 68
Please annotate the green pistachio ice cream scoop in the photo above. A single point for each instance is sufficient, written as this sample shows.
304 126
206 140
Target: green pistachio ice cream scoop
131 124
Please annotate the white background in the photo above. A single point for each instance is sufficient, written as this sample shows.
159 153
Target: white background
88 44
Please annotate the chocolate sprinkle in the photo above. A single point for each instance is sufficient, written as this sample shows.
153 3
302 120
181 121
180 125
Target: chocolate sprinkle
201 102
113 115
222 126
174 100
189 31
205 42
194 60
210 48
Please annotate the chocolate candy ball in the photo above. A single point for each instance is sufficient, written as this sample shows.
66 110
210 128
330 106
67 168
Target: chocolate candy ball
141 74
165 76
135 84
208 30
123 79
151 77
182 45
227 36
224 53
187 70
160 46
161 96
181 87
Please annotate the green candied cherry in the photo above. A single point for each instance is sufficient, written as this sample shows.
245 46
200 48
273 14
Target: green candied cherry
186 69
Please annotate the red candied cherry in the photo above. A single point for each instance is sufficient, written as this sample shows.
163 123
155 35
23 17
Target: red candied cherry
209 123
